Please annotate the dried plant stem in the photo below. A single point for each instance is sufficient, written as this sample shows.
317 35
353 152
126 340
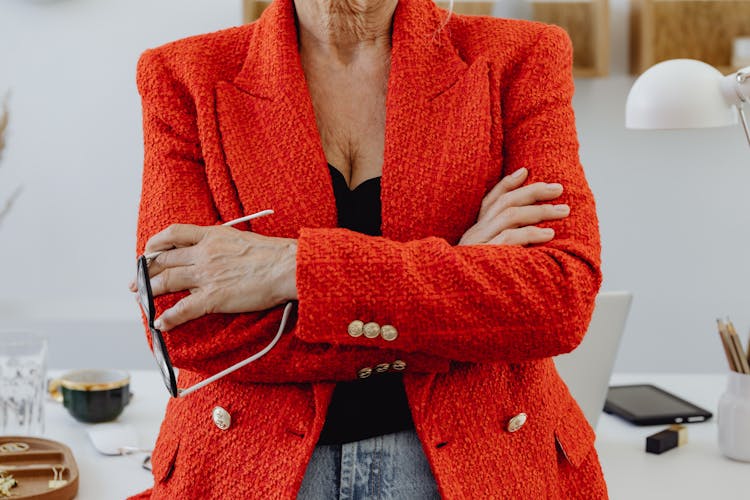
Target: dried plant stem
3 124
3 128
9 203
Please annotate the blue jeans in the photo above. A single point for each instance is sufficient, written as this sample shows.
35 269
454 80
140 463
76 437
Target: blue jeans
390 467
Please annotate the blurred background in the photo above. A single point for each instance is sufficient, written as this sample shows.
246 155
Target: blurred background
673 206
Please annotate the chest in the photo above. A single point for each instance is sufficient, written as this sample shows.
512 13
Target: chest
349 109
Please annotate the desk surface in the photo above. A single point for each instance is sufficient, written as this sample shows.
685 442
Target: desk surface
694 471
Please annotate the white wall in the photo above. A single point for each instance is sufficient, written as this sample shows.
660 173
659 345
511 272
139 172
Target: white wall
675 221
673 213
67 250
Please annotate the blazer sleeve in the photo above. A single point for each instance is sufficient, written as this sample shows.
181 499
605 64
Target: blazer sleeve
175 189
473 303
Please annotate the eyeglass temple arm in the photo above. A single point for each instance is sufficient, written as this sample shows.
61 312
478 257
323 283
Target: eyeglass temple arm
237 366
151 256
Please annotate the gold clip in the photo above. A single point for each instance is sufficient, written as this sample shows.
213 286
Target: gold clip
6 483
57 481
12 447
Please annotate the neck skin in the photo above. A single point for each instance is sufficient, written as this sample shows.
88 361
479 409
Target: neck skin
344 30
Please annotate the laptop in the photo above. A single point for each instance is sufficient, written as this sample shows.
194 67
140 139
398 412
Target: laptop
587 369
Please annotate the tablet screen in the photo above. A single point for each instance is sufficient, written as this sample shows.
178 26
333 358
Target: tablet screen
649 404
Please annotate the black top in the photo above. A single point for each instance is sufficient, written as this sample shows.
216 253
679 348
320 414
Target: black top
376 405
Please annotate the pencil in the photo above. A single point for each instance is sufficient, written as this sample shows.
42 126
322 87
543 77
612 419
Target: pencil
743 364
732 348
726 344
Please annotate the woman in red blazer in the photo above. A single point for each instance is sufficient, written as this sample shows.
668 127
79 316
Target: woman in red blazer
246 119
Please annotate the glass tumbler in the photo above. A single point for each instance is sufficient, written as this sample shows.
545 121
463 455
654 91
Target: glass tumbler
23 367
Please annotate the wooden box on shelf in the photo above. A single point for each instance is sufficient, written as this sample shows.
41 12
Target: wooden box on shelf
470 8
252 9
694 29
587 23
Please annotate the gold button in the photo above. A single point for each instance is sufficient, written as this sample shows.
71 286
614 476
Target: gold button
221 418
372 330
364 372
516 422
398 365
382 367
389 332
355 328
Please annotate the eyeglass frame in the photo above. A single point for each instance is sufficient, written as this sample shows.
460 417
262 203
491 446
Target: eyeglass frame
157 338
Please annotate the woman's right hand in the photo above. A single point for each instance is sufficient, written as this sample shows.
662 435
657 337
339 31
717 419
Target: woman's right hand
509 213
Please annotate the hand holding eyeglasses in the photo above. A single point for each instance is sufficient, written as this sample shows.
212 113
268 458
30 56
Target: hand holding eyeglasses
225 270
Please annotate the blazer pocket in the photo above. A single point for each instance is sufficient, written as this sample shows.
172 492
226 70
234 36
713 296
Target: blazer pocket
573 435
163 459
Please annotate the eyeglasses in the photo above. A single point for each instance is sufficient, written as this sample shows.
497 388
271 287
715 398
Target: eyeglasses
146 300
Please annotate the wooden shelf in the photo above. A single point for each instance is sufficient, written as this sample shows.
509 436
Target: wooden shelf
587 23
252 9
469 8
694 29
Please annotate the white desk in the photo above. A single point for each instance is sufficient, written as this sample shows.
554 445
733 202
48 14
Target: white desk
113 477
694 471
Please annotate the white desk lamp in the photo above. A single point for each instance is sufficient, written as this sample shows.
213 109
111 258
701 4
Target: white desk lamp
684 93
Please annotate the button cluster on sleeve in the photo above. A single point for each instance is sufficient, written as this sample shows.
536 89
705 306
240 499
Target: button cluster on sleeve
372 330
398 365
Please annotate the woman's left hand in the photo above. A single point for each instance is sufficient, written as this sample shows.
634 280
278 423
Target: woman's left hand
510 211
226 271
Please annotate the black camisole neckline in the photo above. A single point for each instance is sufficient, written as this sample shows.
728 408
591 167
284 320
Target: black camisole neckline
359 208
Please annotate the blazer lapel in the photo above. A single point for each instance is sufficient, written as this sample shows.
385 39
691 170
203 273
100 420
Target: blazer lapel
269 134
437 130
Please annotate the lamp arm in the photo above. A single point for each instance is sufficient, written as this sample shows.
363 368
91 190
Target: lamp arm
736 87
744 122
736 90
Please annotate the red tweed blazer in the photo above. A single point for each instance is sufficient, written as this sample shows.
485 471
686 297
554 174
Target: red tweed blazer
229 129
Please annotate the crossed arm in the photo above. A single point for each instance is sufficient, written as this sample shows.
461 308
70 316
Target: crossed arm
231 272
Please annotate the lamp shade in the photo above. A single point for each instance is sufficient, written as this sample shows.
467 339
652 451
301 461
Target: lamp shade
680 93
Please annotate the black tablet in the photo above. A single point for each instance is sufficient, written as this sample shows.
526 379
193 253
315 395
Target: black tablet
646 404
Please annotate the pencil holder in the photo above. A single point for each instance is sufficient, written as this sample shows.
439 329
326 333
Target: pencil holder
734 418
